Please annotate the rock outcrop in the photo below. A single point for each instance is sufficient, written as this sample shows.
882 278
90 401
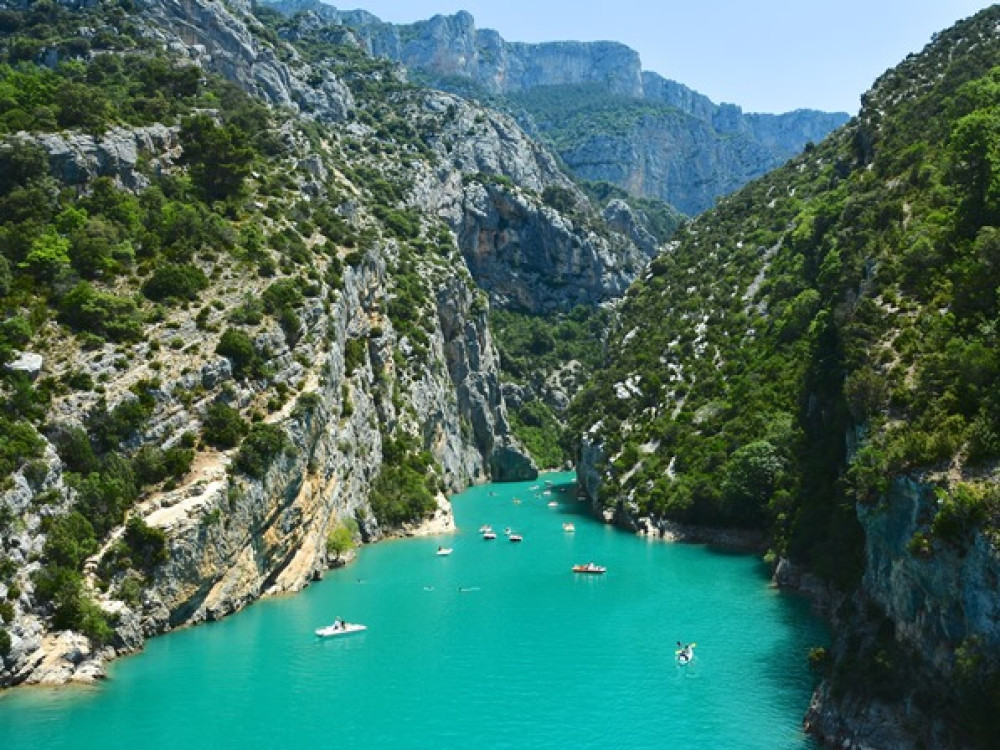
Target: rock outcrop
78 158
938 601
220 38
525 254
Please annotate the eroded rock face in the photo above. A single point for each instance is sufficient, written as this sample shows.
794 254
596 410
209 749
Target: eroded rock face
218 37
527 255
934 603
77 158
533 259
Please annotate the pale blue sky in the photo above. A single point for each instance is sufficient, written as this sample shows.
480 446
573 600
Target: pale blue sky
765 55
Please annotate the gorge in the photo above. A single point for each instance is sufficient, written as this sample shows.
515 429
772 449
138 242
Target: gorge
274 285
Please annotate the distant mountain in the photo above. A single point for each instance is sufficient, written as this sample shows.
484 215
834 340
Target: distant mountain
591 101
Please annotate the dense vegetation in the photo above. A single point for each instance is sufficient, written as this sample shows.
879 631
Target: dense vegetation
847 300
548 358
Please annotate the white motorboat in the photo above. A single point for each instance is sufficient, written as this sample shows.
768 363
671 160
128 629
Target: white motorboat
339 627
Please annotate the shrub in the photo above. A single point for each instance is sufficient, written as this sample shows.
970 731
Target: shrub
4 643
70 541
559 198
18 442
400 495
152 464
340 540
237 347
175 282
355 353
263 444
85 309
281 294
222 426
147 545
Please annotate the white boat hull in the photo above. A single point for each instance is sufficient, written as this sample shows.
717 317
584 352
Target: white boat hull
346 629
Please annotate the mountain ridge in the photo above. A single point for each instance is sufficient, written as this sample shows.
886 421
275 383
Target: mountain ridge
711 151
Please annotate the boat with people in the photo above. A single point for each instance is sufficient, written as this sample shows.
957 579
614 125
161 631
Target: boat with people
589 568
685 653
444 551
569 528
340 627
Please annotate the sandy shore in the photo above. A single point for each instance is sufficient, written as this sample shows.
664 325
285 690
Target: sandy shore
441 522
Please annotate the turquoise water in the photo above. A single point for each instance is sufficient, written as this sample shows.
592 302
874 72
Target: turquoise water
527 654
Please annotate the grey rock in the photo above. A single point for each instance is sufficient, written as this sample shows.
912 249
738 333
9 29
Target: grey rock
28 363
218 37
77 158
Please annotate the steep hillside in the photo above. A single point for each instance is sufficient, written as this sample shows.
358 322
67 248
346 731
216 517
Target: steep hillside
817 357
239 331
606 118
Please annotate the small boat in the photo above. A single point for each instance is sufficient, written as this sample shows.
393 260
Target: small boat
589 568
507 531
339 627
553 504
568 527
489 534
685 654
515 537
442 551
484 528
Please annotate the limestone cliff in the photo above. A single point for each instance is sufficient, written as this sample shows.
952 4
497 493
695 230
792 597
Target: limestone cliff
928 610
665 141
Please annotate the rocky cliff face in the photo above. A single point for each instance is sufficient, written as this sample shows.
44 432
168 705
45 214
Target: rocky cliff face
685 149
936 601
223 41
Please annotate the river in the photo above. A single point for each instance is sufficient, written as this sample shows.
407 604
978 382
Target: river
498 645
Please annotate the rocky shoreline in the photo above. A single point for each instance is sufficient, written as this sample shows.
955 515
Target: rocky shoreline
67 657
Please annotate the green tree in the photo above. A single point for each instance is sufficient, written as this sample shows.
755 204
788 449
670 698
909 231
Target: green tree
340 540
219 156
237 347
48 258
222 426
751 475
